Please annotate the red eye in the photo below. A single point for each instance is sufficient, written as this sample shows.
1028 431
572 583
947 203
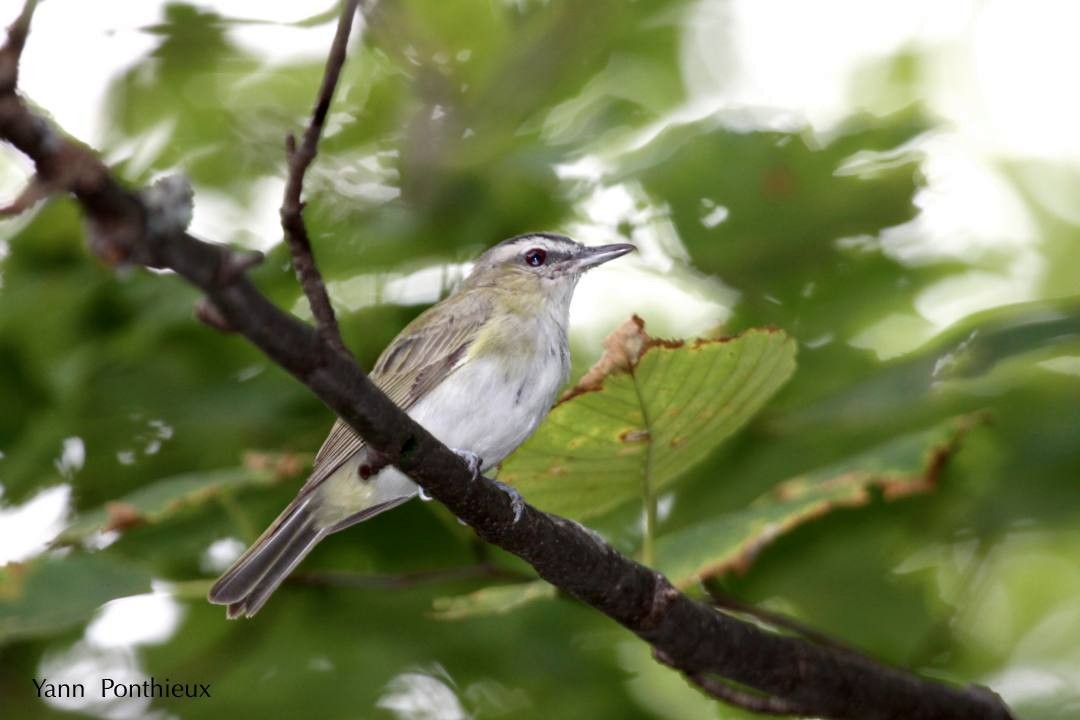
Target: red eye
535 257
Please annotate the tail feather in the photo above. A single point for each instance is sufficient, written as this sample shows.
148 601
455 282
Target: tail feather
268 561
248 584
275 574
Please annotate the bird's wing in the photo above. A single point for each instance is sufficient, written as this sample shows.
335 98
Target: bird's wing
420 357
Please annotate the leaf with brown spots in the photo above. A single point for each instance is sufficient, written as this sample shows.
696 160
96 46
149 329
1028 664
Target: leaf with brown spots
909 465
622 350
121 516
647 412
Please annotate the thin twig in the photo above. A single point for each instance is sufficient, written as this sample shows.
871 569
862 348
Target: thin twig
761 704
299 159
399 581
12 51
209 315
754 702
722 600
35 191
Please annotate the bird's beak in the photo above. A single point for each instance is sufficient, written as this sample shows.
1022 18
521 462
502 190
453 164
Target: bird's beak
593 256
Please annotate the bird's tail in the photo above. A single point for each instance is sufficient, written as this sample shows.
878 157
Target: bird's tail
248 584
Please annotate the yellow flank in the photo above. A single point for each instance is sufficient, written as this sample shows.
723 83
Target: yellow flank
342 495
509 334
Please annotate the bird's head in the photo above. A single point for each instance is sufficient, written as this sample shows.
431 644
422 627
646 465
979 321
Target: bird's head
542 265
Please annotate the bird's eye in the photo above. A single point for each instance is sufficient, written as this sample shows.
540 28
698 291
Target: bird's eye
535 257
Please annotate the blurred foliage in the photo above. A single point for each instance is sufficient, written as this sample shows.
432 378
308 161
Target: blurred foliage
790 206
446 135
51 595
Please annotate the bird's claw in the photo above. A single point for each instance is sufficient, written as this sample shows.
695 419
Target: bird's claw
472 460
517 503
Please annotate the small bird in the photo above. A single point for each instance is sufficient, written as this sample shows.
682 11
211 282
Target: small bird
479 370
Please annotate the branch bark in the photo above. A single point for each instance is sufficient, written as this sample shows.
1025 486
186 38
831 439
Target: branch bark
701 642
299 159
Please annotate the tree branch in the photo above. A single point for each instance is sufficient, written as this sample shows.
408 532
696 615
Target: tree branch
299 159
691 636
17 33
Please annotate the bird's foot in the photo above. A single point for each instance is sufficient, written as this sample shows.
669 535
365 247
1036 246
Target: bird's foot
517 503
472 460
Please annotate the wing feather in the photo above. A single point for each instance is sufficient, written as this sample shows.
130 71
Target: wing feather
420 357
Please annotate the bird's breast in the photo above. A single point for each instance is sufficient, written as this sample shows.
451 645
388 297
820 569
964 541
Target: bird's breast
495 400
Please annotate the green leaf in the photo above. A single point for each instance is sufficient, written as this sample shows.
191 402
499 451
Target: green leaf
52 594
905 466
494 600
958 360
160 500
646 412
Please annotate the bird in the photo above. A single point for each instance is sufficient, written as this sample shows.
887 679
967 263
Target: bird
479 370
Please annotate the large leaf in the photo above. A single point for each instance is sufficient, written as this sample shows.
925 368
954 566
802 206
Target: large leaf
905 466
52 594
645 413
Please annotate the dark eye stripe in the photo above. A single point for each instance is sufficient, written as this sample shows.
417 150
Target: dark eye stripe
535 257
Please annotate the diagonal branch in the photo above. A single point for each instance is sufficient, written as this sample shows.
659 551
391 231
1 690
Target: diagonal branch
299 158
123 227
